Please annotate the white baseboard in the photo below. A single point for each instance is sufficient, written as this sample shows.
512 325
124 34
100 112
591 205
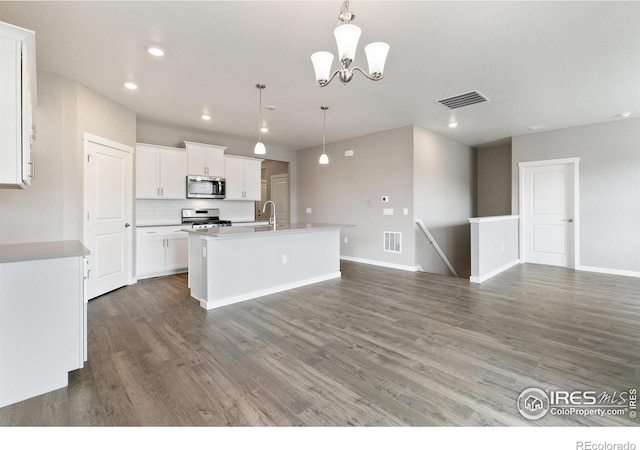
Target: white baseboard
268 291
382 264
161 274
624 273
495 272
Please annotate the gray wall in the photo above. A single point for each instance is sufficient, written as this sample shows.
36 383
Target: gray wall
51 209
494 181
349 190
609 186
494 244
444 198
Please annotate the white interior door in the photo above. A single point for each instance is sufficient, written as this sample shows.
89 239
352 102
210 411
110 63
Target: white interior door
280 196
107 215
548 213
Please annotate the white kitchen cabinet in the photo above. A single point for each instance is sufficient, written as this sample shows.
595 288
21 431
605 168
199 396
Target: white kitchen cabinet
161 251
243 178
161 172
17 94
43 334
205 159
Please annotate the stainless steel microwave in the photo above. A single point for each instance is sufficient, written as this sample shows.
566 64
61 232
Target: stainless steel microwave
205 187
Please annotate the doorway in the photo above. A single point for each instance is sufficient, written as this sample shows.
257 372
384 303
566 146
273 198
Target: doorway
280 196
549 206
107 215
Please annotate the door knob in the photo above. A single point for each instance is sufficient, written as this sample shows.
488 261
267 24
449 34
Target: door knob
567 220
127 225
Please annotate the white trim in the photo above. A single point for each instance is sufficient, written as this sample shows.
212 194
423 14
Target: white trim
624 273
382 264
268 291
492 219
162 273
576 203
549 162
106 142
495 272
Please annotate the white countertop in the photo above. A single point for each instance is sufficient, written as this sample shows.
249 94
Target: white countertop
41 250
266 230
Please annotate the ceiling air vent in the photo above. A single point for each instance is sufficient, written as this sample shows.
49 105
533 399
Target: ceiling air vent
470 98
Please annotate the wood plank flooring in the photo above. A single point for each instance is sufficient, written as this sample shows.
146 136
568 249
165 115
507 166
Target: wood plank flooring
378 347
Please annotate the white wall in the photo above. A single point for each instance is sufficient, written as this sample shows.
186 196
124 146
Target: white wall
444 198
349 190
51 209
609 186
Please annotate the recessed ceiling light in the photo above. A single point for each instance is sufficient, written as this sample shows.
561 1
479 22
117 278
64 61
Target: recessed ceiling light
155 51
453 124
538 127
206 117
264 129
131 86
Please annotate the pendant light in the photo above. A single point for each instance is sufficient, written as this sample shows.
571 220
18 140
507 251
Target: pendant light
324 159
260 148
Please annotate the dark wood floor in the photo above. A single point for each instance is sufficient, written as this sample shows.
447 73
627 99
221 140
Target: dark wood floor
378 347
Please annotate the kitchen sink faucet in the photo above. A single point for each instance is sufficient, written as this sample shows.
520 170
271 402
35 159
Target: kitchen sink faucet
272 217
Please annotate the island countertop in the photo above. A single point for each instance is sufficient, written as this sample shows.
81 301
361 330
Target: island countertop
41 250
264 230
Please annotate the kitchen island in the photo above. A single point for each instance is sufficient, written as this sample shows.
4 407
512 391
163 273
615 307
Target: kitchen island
232 264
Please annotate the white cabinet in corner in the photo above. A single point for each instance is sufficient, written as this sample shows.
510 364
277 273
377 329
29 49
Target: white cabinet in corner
17 93
161 251
243 178
161 172
205 159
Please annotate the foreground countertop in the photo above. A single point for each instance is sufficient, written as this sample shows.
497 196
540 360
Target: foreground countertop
41 250
266 230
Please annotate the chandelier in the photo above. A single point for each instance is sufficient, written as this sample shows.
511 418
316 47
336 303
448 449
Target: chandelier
347 36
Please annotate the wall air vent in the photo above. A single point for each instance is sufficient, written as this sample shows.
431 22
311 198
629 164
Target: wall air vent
392 242
459 101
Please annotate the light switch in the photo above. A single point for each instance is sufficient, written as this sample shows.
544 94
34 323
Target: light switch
387 211
405 211
348 153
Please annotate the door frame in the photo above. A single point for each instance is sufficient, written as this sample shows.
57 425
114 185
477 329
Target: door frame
522 166
275 178
88 137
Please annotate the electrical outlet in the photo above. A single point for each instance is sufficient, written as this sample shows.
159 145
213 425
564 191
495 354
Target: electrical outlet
385 199
346 240
348 153
308 210
405 212
284 259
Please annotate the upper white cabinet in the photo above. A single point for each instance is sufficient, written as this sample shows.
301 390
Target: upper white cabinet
243 178
17 92
161 172
205 159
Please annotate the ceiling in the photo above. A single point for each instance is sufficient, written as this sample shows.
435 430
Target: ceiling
556 63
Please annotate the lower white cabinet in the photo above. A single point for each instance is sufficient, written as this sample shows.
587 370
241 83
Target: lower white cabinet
161 251
43 334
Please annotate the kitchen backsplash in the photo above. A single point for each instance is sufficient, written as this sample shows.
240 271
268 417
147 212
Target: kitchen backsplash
165 212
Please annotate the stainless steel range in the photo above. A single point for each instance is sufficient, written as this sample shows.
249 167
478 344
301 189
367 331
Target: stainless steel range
204 218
